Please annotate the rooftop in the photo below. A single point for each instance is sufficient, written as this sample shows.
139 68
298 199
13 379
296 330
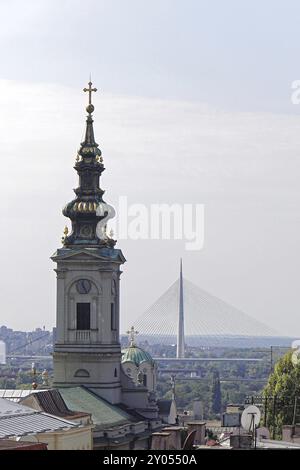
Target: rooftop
19 420
8 444
104 415
16 395
51 401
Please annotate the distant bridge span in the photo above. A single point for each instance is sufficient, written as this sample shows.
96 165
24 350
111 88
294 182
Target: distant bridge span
208 359
230 380
158 359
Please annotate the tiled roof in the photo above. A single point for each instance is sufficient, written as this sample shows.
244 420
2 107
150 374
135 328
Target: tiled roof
9 444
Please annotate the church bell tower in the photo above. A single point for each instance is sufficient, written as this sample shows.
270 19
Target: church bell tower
87 349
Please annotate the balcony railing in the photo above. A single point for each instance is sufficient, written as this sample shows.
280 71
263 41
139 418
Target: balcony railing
83 336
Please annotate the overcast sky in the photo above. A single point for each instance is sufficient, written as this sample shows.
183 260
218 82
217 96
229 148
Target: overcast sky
194 106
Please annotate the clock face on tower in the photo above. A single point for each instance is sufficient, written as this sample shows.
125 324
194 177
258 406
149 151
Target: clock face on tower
83 286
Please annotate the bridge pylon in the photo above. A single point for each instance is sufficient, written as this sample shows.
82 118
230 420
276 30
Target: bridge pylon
180 352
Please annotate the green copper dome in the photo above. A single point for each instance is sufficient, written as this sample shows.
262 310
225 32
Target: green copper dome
136 355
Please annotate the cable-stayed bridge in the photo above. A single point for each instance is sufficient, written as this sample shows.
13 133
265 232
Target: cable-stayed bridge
186 315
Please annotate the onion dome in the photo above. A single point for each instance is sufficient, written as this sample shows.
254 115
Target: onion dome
136 355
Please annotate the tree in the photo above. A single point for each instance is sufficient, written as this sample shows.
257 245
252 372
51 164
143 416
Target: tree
216 394
282 393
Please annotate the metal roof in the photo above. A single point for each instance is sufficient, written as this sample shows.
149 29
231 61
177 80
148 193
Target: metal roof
20 420
104 415
52 402
16 395
8 408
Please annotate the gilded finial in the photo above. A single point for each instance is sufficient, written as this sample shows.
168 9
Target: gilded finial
90 107
66 231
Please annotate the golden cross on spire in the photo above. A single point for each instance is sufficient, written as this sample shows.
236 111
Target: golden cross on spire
90 90
131 333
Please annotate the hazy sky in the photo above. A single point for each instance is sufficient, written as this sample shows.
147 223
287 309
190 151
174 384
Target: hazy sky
194 106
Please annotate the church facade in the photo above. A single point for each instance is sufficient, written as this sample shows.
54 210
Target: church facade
87 350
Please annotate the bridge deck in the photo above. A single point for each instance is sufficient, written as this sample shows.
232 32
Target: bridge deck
201 359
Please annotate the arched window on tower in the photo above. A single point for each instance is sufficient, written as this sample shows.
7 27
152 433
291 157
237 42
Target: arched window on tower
81 373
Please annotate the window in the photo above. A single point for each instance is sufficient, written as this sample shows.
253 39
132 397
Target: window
81 373
83 316
113 320
145 380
